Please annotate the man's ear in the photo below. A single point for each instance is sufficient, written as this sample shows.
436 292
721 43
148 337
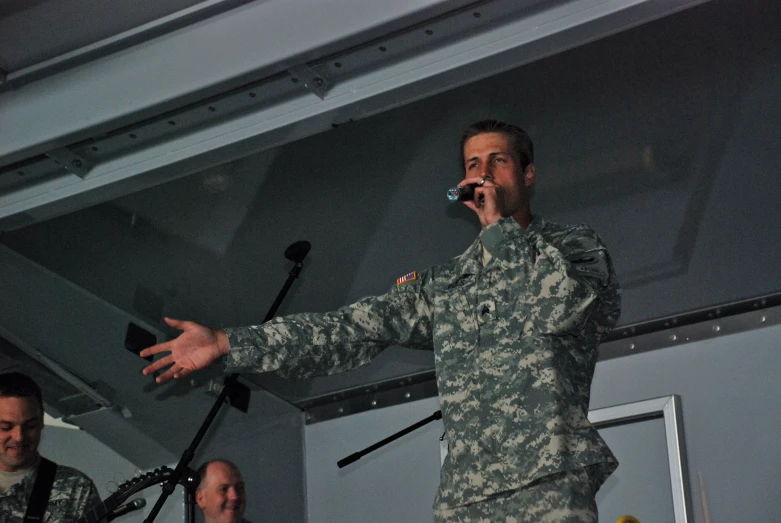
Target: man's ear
529 174
199 498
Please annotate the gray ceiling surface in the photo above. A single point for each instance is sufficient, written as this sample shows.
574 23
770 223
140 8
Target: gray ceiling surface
37 32
259 76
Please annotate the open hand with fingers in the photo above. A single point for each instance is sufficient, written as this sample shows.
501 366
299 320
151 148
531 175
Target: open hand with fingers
197 347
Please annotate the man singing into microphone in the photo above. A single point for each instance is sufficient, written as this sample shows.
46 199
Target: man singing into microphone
514 323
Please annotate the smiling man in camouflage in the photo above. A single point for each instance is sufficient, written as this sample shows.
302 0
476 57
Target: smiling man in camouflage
514 322
72 493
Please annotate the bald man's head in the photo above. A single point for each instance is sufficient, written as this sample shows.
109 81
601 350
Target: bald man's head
221 495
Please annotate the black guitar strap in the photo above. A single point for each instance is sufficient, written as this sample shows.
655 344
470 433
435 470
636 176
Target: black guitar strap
42 489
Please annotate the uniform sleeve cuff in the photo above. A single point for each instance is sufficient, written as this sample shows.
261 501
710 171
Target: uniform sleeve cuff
496 235
240 352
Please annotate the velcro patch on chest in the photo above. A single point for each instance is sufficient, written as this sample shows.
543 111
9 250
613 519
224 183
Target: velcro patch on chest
412 276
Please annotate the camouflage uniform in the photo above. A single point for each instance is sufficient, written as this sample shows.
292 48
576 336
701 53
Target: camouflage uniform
73 494
566 497
514 322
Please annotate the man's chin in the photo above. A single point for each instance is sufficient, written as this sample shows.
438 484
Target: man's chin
233 515
20 462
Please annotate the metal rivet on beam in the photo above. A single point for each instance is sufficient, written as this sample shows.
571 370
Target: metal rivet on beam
311 80
71 161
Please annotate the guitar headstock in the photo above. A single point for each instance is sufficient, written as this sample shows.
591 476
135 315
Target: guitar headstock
139 483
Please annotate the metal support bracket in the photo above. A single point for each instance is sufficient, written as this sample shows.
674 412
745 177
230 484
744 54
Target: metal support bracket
314 82
71 161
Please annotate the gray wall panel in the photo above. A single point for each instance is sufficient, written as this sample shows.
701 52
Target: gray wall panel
730 420
730 414
395 484
641 485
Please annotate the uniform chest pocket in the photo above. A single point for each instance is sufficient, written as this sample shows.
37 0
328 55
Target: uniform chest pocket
453 308
454 328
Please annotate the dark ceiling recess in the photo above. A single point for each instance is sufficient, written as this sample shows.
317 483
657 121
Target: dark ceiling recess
137 339
60 398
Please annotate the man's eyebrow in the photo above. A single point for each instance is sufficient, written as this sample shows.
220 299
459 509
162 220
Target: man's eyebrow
495 153
34 418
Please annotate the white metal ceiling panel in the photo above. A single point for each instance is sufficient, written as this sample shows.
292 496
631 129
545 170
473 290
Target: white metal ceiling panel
254 40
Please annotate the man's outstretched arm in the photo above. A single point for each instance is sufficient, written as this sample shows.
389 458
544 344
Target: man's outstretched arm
303 344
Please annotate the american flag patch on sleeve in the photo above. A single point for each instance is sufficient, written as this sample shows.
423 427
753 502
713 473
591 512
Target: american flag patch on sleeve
412 276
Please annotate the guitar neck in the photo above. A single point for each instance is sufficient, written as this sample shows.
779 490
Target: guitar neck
127 489
99 512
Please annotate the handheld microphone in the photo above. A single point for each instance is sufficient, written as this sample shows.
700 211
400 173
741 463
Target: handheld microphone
127 507
459 194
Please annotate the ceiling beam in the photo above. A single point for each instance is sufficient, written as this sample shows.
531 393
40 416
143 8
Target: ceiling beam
200 60
479 42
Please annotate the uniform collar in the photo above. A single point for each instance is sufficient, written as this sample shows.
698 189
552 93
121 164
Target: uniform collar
470 261
20 489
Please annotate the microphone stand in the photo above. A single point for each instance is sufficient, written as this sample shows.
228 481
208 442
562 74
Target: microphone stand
296 253
371 448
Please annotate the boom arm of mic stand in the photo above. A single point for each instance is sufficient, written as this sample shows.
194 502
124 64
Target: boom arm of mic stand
358 455
189 453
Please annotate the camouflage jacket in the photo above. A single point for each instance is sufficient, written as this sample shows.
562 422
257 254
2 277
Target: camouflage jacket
73 494
515 346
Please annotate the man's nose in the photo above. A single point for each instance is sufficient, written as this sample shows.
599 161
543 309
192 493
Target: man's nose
17 434
232 494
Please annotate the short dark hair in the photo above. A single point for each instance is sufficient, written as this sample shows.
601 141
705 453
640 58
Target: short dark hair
18 385
522 144
205 466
